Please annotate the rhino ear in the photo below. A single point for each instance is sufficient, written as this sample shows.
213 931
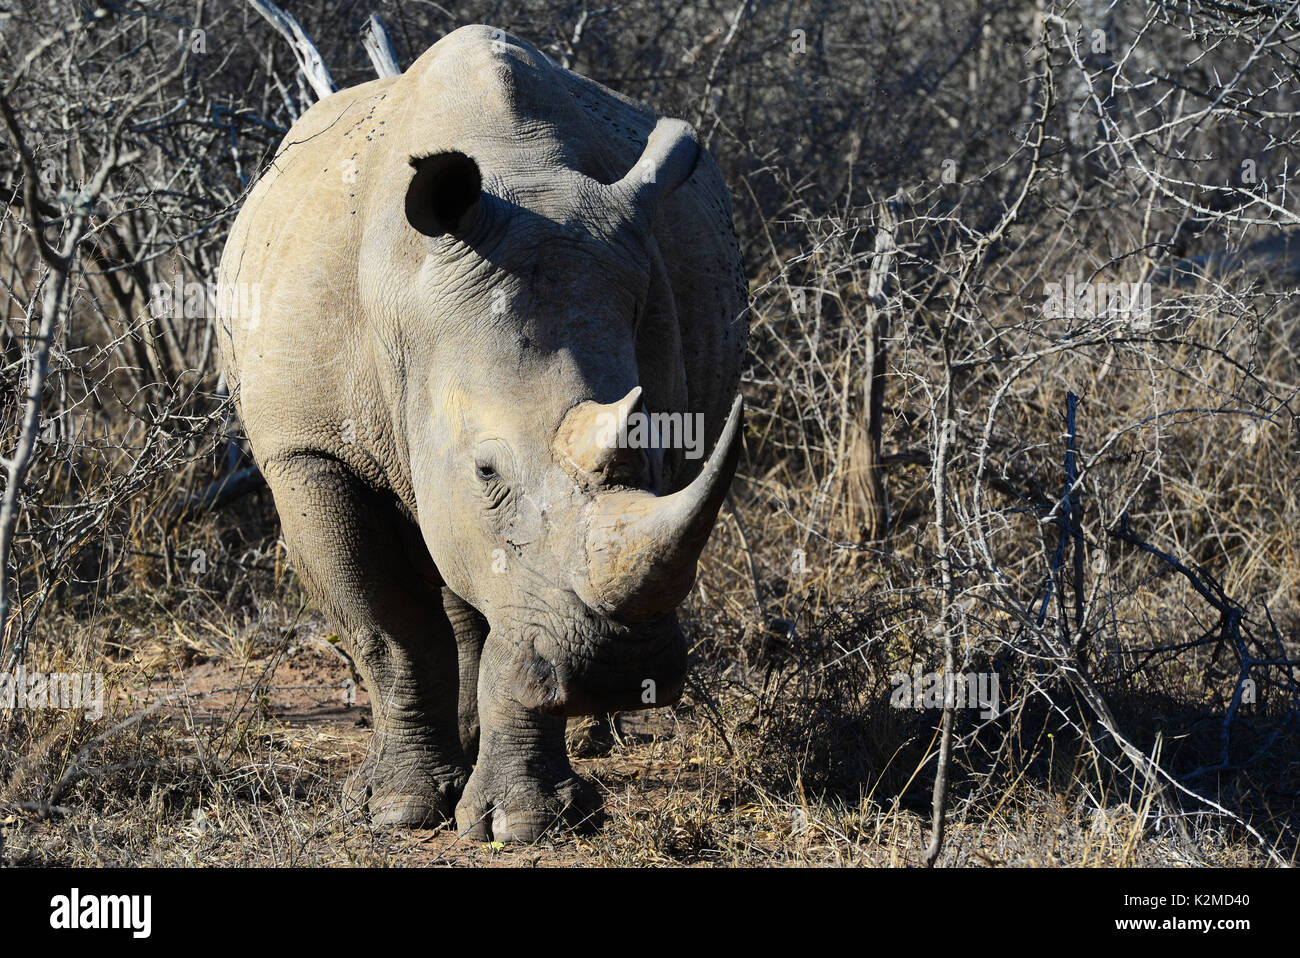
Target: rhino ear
668 160
444 194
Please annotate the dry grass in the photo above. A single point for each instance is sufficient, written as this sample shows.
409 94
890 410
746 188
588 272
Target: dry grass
786 752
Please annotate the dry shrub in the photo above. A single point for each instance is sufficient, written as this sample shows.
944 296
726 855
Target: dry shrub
907 181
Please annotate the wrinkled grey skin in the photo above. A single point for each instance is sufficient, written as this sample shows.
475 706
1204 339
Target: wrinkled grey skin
420 381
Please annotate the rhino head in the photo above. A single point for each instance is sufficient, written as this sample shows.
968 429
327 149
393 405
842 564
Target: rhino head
525 355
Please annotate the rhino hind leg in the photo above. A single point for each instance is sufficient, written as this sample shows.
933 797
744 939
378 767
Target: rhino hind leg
360 564
471 631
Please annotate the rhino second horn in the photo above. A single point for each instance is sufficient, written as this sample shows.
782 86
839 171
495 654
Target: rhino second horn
587 438
668 160
444 193
641 549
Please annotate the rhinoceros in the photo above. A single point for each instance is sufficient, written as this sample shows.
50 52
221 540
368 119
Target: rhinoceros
467 281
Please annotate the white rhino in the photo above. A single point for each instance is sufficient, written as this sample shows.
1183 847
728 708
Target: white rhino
468 279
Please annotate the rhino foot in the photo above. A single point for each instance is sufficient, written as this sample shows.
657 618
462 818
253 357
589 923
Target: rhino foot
497 806
406 794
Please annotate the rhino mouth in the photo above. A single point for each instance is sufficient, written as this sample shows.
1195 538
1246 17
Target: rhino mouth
583 665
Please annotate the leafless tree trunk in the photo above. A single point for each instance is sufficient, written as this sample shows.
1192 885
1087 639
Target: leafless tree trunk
309 59
379 47
870 474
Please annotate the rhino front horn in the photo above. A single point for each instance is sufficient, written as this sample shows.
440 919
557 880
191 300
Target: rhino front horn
641 550
443 196
668 160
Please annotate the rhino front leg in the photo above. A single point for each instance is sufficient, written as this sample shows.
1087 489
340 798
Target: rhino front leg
522 784
363 564
587 735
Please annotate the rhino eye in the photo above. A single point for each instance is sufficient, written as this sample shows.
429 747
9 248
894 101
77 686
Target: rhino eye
485 472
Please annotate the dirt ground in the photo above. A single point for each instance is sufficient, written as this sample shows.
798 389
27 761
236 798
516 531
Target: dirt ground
312 696
234 761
